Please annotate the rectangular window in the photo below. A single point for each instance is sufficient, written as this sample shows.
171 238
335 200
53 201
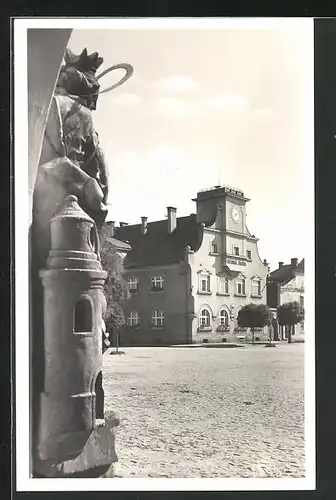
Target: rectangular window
214 248
158 318
223 285
240 286
157 283
256 287
248 254
133 284
205 284
235 250
133 318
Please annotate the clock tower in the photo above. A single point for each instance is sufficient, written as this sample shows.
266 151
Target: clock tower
225 206
223 210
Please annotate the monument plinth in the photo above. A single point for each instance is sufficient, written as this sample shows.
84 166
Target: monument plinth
74 434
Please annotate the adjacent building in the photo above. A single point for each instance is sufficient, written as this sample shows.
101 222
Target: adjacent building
286 284
189 276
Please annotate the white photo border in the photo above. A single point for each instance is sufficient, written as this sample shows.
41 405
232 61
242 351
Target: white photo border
23 480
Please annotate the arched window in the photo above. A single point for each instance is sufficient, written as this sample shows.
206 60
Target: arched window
224 318
99 396
204 318
83 316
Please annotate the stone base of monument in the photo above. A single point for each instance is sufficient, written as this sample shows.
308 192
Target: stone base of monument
96 459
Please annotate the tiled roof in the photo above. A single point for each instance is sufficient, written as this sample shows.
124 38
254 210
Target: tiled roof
157 246
286 272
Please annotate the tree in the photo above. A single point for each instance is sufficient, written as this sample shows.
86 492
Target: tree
275 327
289 314
253 316
115 288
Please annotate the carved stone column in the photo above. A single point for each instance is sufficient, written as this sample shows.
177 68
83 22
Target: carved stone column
74 436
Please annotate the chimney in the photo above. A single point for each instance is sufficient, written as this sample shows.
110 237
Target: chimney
123 224
171 219
144 225
294 263
281 264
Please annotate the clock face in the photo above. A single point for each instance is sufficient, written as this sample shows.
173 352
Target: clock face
235 214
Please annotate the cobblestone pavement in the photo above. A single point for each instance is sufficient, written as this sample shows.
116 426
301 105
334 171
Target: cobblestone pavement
203 412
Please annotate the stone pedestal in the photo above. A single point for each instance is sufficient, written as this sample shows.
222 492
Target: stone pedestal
96 459
74 436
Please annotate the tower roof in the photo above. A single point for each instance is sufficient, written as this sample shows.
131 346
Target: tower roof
216 191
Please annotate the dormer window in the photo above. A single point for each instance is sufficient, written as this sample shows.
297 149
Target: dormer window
157 283
235 250
249 254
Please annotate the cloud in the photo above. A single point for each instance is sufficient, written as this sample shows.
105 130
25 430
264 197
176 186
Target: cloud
176 84
229 102
126 99
172 106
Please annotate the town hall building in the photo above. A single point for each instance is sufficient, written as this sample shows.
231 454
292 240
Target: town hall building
189 276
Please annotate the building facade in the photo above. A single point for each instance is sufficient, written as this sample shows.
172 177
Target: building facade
286 284
189 276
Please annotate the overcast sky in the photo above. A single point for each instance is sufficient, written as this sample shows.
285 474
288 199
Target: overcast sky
207 107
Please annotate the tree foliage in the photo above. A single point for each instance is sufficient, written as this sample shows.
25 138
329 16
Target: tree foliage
115 288
289 313
254 316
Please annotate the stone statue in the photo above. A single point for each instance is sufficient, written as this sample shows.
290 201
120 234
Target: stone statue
69 206
71 160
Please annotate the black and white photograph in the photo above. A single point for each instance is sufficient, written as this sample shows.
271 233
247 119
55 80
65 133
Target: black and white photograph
164 219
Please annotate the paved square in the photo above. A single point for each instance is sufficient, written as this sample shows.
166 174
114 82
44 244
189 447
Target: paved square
205 412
